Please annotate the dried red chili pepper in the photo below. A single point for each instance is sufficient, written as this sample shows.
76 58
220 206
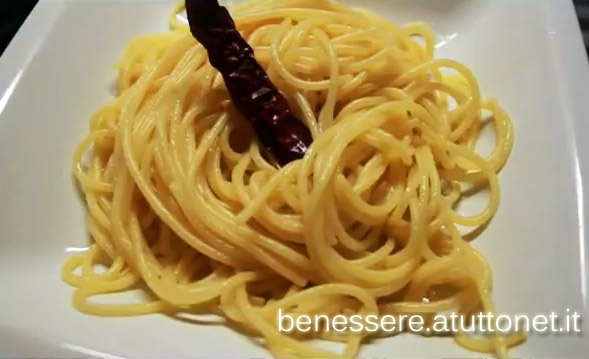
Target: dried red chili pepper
251 90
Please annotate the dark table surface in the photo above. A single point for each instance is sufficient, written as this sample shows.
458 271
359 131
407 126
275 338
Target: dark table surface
14 12
583 13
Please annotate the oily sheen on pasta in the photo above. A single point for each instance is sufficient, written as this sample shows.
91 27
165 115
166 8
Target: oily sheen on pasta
181 198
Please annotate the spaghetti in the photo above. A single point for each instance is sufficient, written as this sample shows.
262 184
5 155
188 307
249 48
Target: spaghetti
181 198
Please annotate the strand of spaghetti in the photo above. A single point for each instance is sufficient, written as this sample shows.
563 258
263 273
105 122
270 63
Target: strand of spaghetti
180 197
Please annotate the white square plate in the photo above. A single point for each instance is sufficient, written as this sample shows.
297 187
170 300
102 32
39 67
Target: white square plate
58 70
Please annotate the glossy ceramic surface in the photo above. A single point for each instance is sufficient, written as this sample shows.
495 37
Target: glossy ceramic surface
58 70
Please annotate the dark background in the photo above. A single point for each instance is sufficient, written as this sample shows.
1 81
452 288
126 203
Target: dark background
14 12
12 15
583 13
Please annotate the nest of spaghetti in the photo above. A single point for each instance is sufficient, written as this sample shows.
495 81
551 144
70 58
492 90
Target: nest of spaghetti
184 202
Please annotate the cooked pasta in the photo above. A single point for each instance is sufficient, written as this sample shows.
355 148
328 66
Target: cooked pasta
182 198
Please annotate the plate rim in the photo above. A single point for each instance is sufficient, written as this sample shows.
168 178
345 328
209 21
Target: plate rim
570 56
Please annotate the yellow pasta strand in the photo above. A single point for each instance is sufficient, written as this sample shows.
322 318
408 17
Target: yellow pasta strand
180 197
